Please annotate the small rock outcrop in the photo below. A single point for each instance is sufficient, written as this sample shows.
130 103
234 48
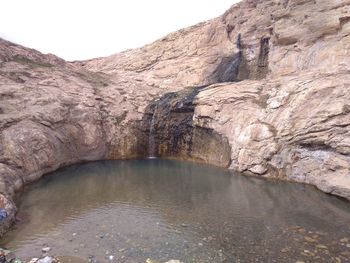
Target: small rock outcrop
274 100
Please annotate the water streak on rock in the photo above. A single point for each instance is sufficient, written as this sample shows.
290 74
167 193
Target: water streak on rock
151 137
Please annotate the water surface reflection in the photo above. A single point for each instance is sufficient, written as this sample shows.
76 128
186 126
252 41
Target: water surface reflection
165 209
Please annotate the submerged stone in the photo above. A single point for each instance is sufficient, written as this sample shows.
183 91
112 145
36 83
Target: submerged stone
46 259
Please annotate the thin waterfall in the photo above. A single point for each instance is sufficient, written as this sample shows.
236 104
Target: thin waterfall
151 138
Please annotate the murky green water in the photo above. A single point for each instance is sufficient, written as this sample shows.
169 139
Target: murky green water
163 209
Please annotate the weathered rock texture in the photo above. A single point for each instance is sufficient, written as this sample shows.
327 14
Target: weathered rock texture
276 101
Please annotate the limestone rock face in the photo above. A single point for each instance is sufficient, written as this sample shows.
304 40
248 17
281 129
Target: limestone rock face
188 57
274 100
292 127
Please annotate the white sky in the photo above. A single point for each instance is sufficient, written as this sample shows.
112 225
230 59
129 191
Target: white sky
82 29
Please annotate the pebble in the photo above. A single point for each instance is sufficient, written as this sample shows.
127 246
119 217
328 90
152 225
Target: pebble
170 261
310 239
45 249
46 259
321 246
111 257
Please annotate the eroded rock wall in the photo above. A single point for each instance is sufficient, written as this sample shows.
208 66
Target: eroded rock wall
295 128
53 114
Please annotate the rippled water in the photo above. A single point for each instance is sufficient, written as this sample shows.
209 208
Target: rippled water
164 209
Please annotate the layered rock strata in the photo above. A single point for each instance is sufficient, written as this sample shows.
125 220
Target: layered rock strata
275 101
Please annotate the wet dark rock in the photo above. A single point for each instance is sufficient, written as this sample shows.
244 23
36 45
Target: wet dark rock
176 135
227 70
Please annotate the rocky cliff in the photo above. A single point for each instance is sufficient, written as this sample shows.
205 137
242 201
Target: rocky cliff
263 89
